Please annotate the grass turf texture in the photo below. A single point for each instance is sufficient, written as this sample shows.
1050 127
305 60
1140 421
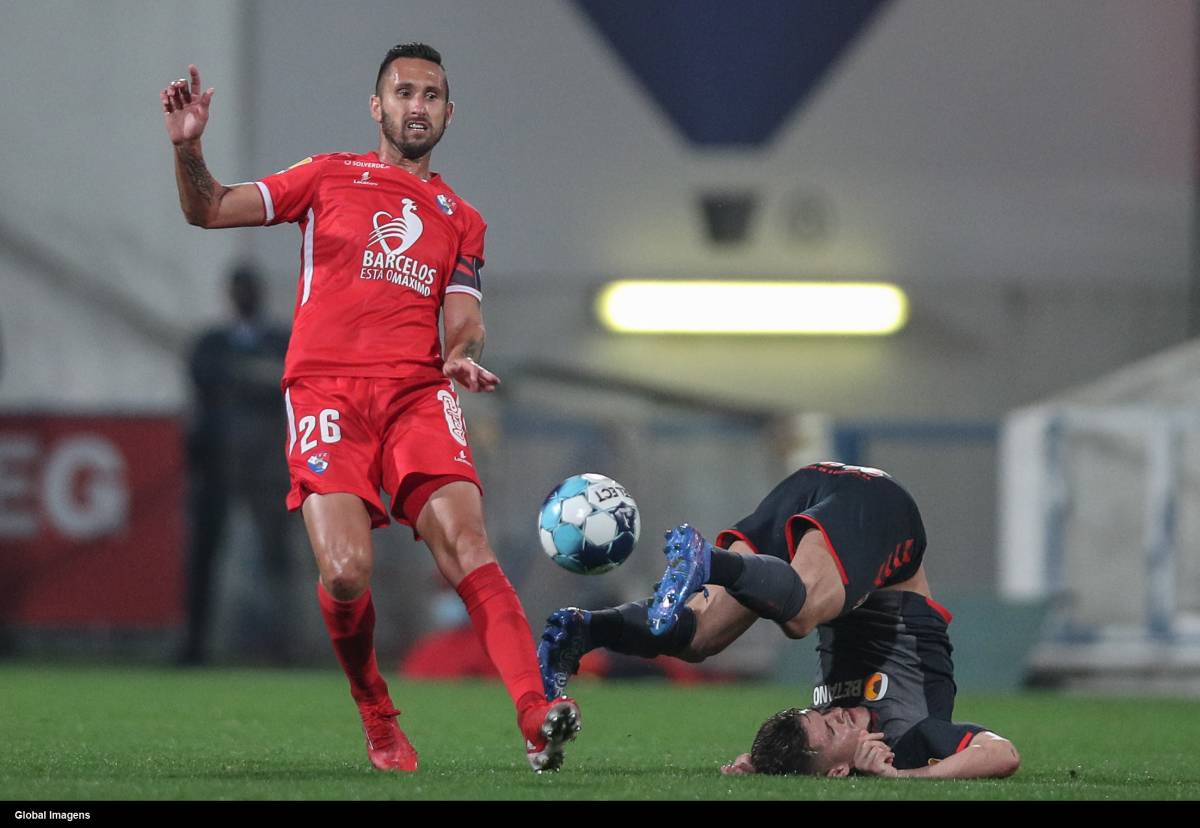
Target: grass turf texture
134 734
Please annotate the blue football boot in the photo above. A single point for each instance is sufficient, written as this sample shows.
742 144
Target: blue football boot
689 562
564 642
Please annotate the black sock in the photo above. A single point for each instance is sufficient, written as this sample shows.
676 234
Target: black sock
625 629
726 567
766 585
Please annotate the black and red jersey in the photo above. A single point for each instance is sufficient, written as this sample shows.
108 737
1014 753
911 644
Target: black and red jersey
892 655
889 650
870 523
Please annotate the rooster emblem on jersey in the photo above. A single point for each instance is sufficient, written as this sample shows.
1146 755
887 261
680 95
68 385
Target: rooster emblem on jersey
405 228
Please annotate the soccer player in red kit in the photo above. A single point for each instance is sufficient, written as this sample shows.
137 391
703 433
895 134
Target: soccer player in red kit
387 247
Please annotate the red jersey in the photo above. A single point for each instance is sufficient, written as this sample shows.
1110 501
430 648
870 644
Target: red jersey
381 248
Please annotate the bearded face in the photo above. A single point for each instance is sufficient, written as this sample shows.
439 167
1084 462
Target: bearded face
413 109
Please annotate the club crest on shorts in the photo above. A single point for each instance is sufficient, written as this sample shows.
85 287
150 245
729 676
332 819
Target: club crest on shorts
319 462
454 416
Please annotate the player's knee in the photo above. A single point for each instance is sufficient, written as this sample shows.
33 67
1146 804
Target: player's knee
796 628
346 575
346 586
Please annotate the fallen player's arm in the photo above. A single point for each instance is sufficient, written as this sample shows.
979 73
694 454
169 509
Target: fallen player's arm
986 756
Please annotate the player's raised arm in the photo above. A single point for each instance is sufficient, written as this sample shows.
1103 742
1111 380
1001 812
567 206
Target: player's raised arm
205 202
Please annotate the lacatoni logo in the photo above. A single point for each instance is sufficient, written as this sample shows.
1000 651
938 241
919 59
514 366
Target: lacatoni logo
365 179
392 236
319 462
454 417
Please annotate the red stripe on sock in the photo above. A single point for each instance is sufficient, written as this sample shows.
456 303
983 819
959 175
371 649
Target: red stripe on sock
500 623
351 626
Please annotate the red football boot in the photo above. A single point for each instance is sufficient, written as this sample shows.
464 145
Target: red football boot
387 746
547 727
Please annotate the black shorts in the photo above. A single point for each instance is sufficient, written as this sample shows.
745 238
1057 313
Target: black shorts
870 523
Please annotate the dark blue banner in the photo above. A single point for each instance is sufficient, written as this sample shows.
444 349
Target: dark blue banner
726 72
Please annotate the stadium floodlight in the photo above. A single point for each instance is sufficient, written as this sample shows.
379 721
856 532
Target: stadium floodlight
733 307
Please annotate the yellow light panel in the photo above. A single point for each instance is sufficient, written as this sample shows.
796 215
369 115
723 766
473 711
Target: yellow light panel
728 307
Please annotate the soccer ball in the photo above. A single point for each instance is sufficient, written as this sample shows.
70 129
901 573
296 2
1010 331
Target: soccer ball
589 524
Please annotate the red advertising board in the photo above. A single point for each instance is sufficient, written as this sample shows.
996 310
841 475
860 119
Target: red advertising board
91 521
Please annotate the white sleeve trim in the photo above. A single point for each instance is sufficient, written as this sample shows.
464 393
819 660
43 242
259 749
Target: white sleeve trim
267 202
464 289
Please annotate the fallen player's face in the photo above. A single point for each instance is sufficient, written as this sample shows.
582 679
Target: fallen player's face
835 733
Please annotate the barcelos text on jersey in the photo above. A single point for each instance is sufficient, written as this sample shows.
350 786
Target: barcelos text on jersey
384 257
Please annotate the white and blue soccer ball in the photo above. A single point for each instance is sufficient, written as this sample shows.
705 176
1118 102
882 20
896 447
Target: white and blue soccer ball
589 524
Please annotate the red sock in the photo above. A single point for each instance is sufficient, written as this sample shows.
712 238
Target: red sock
351 626
504 632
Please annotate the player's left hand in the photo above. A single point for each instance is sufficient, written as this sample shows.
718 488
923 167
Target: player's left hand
470 374
874 757
738 766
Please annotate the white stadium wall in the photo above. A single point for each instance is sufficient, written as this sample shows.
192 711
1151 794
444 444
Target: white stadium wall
1098 516
101 281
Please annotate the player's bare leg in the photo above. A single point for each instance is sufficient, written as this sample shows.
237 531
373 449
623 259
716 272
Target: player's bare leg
452 525
720 620
451 522
692 622
705 624
339 529
826 595
710 620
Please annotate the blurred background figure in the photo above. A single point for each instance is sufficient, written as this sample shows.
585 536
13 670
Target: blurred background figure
450 649
235 459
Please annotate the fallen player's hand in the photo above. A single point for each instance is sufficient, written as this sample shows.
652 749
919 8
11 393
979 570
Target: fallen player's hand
470 374
738 766
874 757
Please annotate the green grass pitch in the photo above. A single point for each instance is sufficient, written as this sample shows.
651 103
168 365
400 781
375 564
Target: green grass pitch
145 734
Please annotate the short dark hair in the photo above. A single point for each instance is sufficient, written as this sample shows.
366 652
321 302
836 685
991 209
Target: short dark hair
420 51
781 746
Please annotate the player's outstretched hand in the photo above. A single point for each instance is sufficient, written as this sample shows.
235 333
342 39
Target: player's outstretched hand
470 374
874 757
738 766
185 109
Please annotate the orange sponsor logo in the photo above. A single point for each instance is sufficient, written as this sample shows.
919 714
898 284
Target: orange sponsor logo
875 688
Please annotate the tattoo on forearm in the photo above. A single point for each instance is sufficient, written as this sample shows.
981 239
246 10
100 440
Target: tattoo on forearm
198 175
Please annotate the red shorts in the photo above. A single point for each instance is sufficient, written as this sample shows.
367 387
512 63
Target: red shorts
359 434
